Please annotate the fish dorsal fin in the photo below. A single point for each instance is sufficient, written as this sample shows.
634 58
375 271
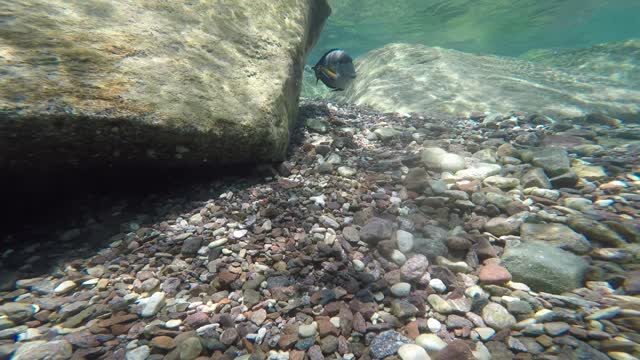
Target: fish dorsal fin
325 55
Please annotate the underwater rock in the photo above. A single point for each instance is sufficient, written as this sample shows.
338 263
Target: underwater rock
396 77
158 85
556 234
544 267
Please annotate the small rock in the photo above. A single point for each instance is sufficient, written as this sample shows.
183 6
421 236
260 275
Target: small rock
307 330
190 348
497 317
191 245
434 325
45 350
164 343
494 274
65 287
437 285
412 352
153 304
387 343
401 289
414 267
431 342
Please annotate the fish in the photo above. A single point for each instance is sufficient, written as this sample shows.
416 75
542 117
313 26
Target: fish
335 69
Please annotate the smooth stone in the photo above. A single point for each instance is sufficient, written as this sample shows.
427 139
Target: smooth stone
556 328
65 287
479 171
346 171
18 312
44 350
457 266
500 226
439 304
173 324
485 333
404 240
190 348
451 163
412 352
401 289
503 183
604 314
403 309
433 325
553 160
544 267
497 317
431 157
431 342
307 330
437 285
398 257
153 304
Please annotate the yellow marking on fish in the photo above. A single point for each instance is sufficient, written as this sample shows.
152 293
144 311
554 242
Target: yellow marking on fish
330 73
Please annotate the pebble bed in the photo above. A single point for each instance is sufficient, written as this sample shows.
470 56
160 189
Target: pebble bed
383 236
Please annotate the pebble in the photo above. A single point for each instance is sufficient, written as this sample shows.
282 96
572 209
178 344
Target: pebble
484 333
65 287
434 325
33 350
401 289
494 274
153 304
190 348
358 265
431 342
412 352
497 317
307 330
438 285
173 324
439 304
404 240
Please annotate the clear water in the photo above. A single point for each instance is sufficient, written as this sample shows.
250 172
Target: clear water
574 56
499 27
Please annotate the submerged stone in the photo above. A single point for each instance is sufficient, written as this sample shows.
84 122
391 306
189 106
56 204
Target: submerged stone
544 267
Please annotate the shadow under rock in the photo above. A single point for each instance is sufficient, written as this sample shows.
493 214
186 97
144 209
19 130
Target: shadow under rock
73 215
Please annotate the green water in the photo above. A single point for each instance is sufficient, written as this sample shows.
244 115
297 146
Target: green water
500 27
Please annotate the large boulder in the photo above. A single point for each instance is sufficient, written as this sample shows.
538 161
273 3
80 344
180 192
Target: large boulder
418 78
151 83
544 267
558 235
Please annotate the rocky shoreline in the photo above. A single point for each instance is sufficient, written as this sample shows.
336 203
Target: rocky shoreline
382 236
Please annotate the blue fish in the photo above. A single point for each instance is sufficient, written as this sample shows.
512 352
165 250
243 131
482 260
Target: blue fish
335 69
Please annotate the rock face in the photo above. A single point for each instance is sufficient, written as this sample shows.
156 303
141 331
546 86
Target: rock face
544 267
143 83
396 77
